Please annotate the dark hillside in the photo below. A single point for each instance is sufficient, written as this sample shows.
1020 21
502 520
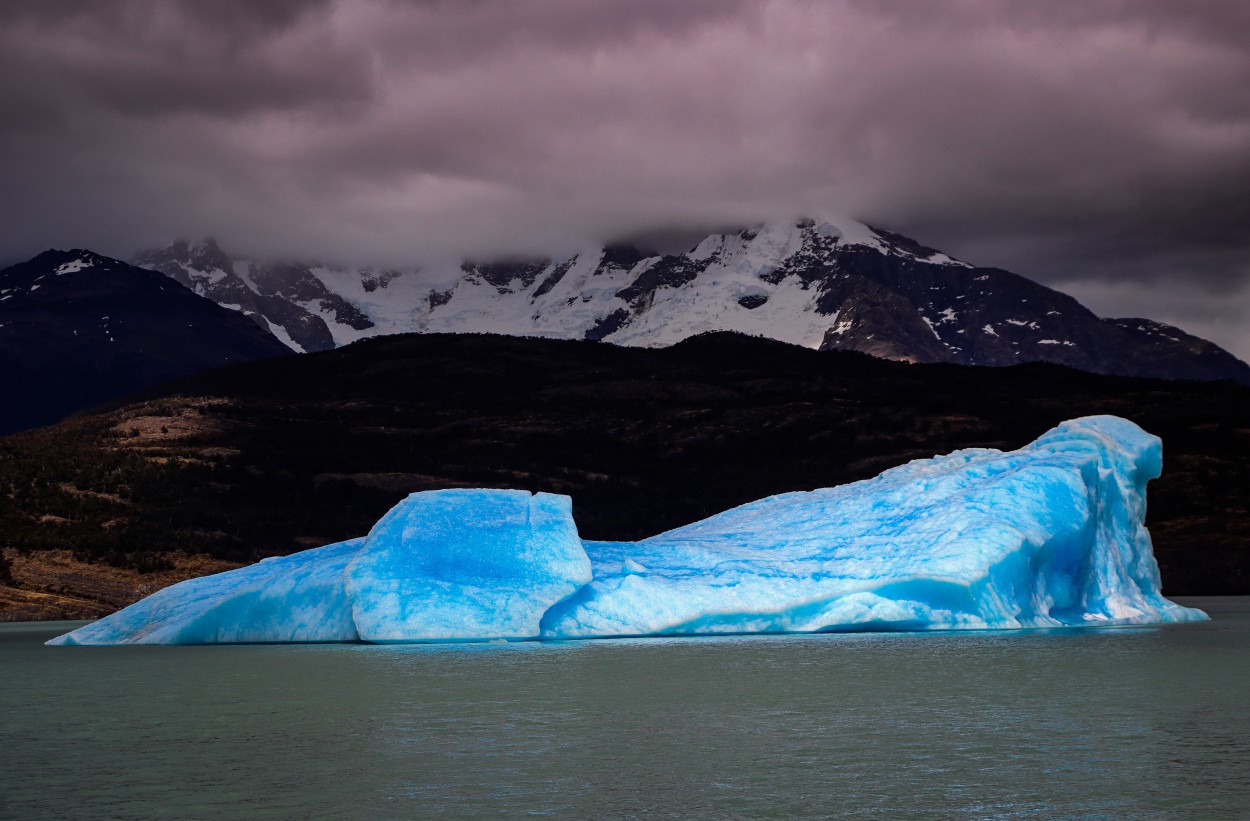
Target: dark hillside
275 456
77 329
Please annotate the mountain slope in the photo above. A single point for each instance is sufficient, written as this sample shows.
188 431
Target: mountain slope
843 286
274 456
77 328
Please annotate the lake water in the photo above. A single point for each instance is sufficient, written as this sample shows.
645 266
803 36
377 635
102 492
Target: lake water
1143 723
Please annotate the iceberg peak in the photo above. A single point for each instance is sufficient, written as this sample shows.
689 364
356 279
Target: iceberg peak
1050 535
457 565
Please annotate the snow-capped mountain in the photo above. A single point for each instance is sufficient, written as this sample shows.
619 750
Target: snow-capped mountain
822 284
77 328
290 301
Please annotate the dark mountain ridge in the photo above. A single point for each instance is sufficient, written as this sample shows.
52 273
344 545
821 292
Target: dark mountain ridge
77 328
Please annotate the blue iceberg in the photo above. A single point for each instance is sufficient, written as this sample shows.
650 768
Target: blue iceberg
296 598
1051 535
456 565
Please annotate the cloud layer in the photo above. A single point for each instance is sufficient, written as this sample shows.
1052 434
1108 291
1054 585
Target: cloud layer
1102 148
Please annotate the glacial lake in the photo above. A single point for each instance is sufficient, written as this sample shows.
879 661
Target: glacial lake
1141 723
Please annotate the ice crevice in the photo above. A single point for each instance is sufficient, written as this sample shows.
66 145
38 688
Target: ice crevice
1050 535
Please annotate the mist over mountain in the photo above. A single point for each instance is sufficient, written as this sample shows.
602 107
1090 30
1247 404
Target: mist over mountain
827 284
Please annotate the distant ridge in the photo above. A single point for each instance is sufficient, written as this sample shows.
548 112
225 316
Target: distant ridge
77 328
829 285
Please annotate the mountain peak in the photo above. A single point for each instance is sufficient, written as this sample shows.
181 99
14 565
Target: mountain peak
77 328
50 266
824 282
56 256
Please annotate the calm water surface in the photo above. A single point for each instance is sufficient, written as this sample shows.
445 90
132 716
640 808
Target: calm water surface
1149 723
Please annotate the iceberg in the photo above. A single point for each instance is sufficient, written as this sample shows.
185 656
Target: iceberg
456 565
1051 535
296 598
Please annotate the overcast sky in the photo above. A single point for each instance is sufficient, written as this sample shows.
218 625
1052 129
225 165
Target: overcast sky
1100 147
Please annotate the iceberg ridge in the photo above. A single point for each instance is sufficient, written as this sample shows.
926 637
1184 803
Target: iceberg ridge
1049 535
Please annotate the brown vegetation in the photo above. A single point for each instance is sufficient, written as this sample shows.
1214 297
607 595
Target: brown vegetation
55 584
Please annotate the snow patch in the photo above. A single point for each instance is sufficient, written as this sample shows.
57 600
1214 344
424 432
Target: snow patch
284 337
73 266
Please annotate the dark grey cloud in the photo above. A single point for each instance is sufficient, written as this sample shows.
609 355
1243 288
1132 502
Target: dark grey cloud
1100 147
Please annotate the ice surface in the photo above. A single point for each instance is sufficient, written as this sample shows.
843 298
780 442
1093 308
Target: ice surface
293 598
1048 535
466 564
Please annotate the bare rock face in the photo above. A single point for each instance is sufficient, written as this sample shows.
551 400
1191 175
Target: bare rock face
283 298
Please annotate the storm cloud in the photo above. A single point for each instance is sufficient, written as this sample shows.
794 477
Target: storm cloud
1103 148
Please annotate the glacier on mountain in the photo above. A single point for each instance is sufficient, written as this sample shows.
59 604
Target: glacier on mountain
1051 535
827 284
661 299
